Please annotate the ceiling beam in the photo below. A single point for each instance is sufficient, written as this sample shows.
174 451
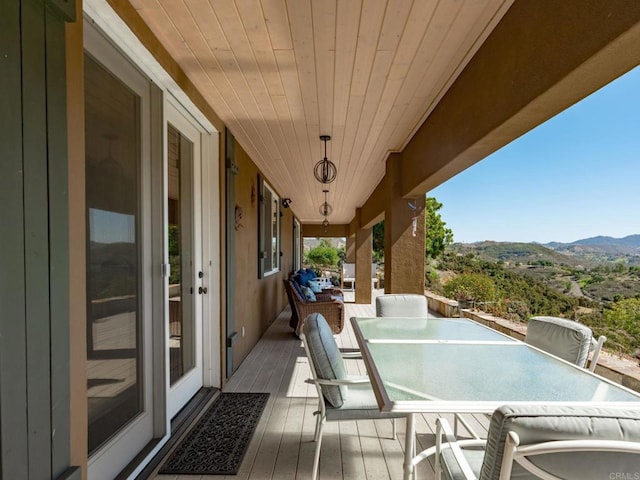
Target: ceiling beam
316 230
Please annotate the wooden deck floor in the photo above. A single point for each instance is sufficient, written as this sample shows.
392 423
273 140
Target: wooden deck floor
282 446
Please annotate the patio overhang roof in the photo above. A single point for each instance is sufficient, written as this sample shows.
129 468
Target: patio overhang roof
441 84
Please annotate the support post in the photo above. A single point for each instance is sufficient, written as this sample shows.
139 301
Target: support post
404 235
363 251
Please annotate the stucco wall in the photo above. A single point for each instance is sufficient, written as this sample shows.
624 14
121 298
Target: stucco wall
257 301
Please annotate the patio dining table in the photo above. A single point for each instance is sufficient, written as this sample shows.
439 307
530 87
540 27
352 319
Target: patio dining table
456 365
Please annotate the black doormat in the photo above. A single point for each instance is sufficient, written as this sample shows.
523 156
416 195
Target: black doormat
218 442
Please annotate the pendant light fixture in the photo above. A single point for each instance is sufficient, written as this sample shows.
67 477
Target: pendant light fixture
325 211
325 170
325 207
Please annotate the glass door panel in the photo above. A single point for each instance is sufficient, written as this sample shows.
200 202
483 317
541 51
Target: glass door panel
180 233
114 320
185 290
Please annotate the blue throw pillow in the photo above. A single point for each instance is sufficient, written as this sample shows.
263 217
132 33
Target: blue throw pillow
306 277
309 296
298 288
315 286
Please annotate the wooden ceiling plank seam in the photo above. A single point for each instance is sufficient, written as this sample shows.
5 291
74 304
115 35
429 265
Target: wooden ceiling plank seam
220 106
260 42
324 26
184 46
262 38
368 35
249 135
293 95
347 27
246 64
277 21
443 16
282 109
419 19
381 65
204 16
425 13
234 30
346 40
412 35
392 33
492 16
302 35
278 29
371 18
395 20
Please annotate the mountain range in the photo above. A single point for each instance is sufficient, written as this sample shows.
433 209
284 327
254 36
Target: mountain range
602 248
588 251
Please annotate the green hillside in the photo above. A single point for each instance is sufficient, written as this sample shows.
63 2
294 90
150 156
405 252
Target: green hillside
516 253
607 298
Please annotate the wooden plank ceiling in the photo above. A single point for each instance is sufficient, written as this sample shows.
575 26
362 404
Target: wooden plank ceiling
280 73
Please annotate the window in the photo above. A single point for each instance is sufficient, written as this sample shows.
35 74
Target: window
269 230
297 241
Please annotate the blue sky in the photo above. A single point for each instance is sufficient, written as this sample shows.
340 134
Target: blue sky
576 176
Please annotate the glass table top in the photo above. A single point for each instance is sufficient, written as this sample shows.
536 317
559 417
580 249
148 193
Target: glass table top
459 365
391 329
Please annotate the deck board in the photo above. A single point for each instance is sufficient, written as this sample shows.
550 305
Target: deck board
282 447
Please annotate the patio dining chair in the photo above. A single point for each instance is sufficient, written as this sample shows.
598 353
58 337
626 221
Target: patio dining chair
566 339
340 396
546 442
402 305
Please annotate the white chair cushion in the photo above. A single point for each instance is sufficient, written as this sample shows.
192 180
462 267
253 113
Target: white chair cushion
550 423
408 305
360 404
563 338
326 357
452 471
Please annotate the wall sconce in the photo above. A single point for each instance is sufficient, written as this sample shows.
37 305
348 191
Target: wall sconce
325 225
325 170
414 222
286 202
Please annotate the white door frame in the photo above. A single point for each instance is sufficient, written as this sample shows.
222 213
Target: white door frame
209 207
184 388
121 449
120 34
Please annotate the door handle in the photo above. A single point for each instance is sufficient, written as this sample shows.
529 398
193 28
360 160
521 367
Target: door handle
202 290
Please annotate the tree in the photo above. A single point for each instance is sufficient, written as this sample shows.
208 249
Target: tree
324 255
437 236
378 242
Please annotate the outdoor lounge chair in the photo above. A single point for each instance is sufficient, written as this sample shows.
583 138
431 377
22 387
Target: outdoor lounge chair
404 305
547 442
349 276
331 308
565 339
340 396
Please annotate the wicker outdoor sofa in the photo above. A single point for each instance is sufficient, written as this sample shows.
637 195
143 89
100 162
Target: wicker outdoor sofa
332 309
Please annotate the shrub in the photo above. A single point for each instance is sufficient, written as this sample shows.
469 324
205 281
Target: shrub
473 287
